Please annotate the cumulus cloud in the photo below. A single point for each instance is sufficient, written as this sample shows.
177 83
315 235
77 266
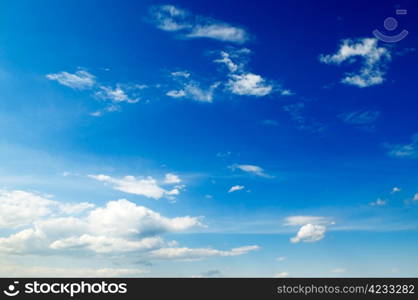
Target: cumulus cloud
373 61
190 26
20 208
79 80
171 178
404 150
415 197
120 226
147 187
312 228
252 169
117 94
309 233
236 188
249 84
199 253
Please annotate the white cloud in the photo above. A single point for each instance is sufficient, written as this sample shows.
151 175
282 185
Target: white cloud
236 188
309 233
193 91
171 18
219 31
379 202
361 117
395 190
404 150
120 226
339 270
249 84
303 220
415 197
79 80
117 94
199 253
184 74
281 258
147 187
226 59
312 228
20 208
41 271
176 93
171 178
252 169
281 275
374 61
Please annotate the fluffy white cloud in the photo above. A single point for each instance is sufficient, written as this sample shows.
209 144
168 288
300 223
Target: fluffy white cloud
312 228
404 150
374 61
171 18
171 178
120 226
147 187
20 208
309 233
236 188
249 84
252 169
117 94
78 80
415 197
199 253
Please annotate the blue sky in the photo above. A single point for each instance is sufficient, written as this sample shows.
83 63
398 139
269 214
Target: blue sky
191 138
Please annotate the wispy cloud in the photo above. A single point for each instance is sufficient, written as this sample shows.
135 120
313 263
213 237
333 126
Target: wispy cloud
404 150
236 188
148 187
199 253
361 117
79 80
83 80
243 82
190 26
297 113
251 169
374 60
379 202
